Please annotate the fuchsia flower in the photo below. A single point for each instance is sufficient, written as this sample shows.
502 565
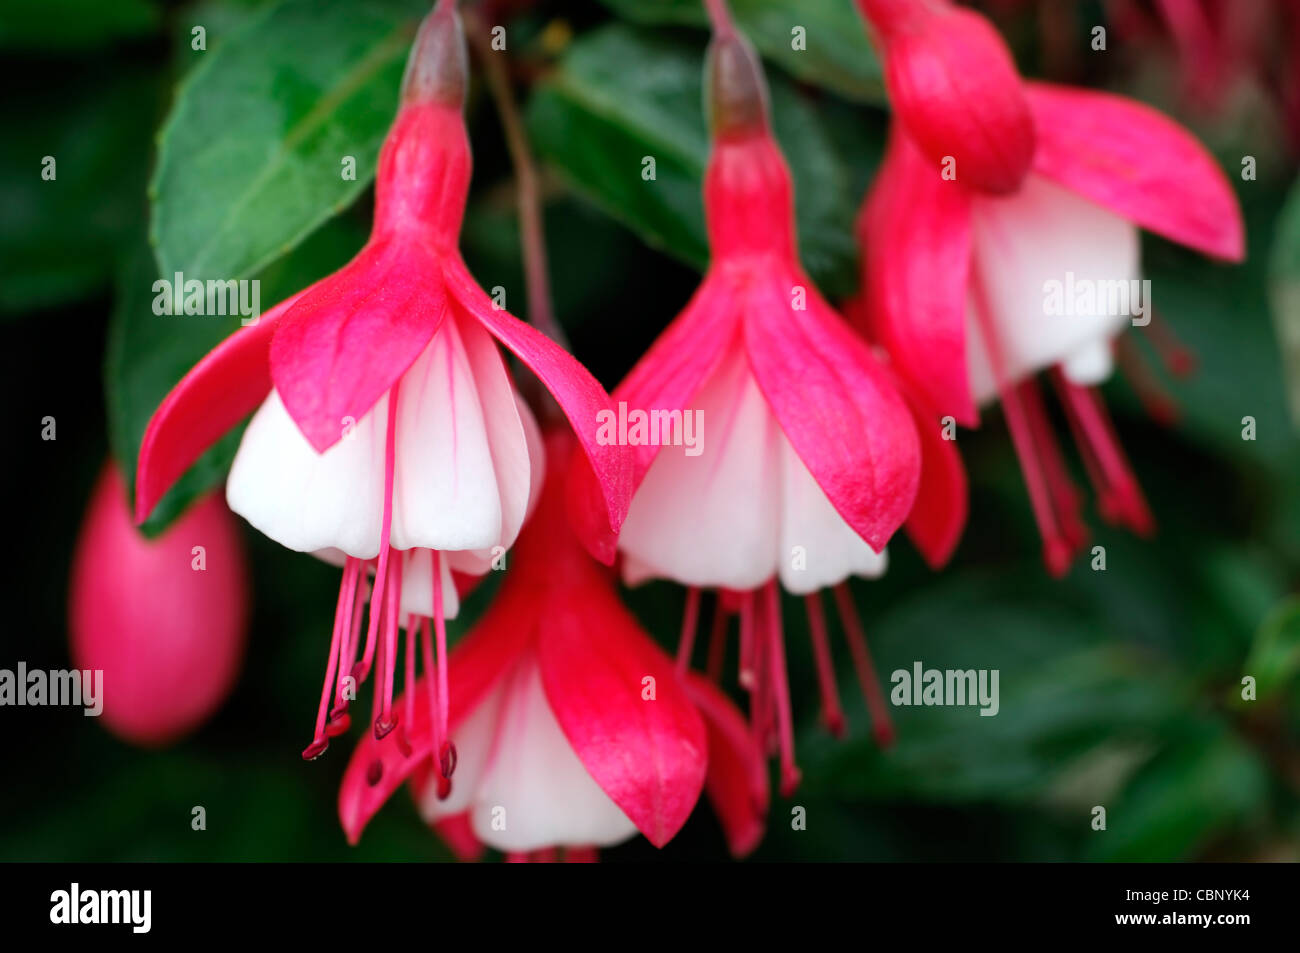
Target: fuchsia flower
956 275
163 620
389 436
810 458
575 730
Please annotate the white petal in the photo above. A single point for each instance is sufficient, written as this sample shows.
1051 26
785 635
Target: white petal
476 562
475 738
506 430
829 550
417 586
445 492
535 783
306 500
1021 243
713 519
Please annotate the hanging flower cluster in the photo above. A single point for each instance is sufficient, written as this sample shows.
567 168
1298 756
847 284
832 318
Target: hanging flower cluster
388 436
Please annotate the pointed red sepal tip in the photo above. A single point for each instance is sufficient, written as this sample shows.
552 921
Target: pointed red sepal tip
447 759
885 736
737 91
315 749
438 67
835 726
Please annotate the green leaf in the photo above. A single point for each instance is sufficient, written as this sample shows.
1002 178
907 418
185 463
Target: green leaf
598 120
1064 689
251 156
1221 312
1207 782
1274 656
148 354
59 237
1284 283
73 24
837 54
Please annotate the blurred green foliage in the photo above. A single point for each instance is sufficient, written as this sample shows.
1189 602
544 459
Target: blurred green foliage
1120 688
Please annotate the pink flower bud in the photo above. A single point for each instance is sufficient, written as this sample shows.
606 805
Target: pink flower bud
164 619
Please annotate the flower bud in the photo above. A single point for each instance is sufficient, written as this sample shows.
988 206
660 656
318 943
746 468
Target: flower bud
438 67
735 91
164 619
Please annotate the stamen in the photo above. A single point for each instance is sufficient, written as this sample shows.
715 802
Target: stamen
1119 496
348 659
1178 358
686 646
717 641
320 741
408 695
392 606
376 696
746 673
1156 400
831 711
761 716
431 682
882 725
1056 549
381 572
446 750
339 722
1067 501
780 683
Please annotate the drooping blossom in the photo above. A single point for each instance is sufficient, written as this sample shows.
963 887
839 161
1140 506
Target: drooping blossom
810 458
959 279
164 619
574 728
389 436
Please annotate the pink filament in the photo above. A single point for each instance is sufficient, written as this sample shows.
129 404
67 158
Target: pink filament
392 607
431 682
717 641
320 741
1067 502
831 709
746 674
1056 548
446 750
780 688
690 619
1156 400
882 725
381 572
1120 498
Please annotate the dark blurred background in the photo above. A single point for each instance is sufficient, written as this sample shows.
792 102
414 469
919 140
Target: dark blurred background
1119 688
